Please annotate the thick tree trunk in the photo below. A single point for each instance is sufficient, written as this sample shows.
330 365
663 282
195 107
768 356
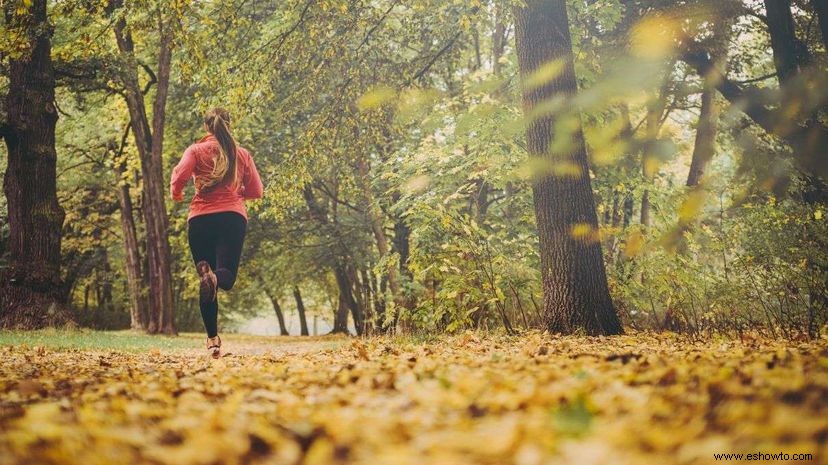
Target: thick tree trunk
821 8
575 292
31 291
135 279
279 315
300 309
705 146
149 145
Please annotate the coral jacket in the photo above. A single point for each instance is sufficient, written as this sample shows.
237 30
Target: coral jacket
197 163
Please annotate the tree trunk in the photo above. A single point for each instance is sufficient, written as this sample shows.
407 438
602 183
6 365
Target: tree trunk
645 209
498 39
300 309
279 315
376 220
653 126
31 292
367 297
575 292
629 204
790 55
821 8
346 296
106 286
341 316
135 279
615 220
705 146
149 145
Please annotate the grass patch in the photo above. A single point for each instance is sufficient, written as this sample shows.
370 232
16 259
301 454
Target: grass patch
103 340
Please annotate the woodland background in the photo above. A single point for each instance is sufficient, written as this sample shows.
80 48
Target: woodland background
398 185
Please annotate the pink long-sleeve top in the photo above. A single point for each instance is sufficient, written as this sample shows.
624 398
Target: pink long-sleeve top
198 162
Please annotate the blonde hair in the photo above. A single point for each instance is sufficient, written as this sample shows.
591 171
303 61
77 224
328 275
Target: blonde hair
217 121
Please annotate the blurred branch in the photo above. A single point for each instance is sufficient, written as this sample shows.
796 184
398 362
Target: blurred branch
281 37
807 138
757 79
434 59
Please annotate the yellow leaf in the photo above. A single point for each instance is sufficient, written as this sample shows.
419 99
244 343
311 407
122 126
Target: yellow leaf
376 97
692 206
544 74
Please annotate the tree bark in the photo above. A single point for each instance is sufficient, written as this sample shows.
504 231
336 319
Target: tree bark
300 309
790 55
645 209
32 294
653 127
135 279
279 315
498 39
705 146
346 296
149 145
575 292
341 316
628 206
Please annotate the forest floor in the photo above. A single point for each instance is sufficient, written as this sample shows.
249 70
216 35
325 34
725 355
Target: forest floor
103 398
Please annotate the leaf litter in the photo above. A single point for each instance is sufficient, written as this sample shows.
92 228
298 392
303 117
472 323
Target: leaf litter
470 398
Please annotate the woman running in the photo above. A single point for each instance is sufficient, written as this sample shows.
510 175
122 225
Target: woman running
225 176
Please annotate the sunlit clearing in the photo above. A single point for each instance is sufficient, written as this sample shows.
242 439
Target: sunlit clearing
375 97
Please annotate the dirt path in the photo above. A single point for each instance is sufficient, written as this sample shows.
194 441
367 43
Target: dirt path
236 345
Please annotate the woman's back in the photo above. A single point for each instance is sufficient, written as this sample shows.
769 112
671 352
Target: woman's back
198 163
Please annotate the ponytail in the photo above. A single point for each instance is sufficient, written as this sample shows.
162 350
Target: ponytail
217 121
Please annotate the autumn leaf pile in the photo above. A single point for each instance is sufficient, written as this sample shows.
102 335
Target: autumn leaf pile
471 398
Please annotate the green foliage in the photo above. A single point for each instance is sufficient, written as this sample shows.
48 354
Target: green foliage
403 121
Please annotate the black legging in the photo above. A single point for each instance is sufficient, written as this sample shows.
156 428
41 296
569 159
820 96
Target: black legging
217 238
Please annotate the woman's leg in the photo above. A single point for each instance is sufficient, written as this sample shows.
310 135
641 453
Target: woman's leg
201 235
229 248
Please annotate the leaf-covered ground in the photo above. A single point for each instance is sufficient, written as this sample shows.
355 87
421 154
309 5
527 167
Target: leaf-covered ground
465 399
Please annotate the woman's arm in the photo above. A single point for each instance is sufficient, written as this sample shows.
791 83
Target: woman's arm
181 174
251 181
